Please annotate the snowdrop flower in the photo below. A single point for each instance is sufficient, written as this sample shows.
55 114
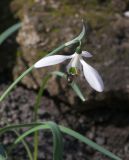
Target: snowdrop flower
76 65
126 14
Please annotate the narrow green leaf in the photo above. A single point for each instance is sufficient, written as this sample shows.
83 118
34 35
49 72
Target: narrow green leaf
78 91
9 32
57 138
64 130
58 73
3 155
73 85
89 143
28 150
15 83
17 126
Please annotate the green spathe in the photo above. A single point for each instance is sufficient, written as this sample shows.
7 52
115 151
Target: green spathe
78 50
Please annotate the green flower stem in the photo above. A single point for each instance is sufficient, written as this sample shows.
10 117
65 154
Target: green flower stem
39 96
56 50
26 147
24 144
75 40
36 143
27 71
15 83
36 108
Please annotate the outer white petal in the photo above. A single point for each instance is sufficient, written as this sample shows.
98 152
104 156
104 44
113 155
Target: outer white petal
51 60
126 14
86 54
92 76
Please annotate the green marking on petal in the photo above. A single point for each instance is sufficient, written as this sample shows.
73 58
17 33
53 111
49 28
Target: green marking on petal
73 71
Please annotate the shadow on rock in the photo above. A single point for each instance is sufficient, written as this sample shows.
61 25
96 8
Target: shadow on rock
9 48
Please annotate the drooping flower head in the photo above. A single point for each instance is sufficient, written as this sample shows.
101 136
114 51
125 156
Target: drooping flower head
75 66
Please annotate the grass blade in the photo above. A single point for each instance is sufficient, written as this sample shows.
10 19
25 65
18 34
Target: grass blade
78 91
74 86
24 144
89 142
57 138
9 32
15 83
17 126
66 131
3 155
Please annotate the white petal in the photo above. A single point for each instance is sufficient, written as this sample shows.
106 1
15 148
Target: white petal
75 62
93 77
51 60
126 14
86 54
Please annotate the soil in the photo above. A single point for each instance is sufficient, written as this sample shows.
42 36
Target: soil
107 126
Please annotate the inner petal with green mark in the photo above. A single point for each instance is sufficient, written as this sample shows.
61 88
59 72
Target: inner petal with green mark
73 71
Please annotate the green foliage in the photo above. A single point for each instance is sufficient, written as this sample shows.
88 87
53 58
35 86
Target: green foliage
9 32
78 91
74 41
57 138
3 155
53 127
3 158
73 85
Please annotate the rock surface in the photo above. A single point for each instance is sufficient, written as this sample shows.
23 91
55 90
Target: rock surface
47 24
8 48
